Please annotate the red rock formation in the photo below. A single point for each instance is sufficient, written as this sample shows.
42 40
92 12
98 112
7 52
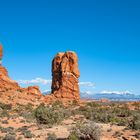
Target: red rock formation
33 90
65 75
6 84
104 100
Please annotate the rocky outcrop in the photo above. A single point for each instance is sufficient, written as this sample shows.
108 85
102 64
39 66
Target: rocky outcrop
34 90
6 84
65 74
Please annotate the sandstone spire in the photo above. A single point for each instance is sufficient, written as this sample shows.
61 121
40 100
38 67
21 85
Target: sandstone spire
65 74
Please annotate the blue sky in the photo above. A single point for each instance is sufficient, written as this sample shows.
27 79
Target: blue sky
104 33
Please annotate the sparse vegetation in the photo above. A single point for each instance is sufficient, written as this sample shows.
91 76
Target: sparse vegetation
9 137
135 122
5 106
28 134
47 116
118 114
50 114
51 136
6 130
89 131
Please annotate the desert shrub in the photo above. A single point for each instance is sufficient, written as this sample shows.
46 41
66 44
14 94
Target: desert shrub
89 131
29 107
23 109
137 135
19 108
29 117
57 104
6 130
9 137
122 121
4 122
28 134
51 136
5 106
26 111
122 111
117 113
19 138
135 122
4 113
50 114
22 129
117 134
74 103
3 130
73 136
99 115
19 90
93 104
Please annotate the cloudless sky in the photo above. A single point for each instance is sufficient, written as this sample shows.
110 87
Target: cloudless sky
104 33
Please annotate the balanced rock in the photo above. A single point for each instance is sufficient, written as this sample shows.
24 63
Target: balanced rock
65 74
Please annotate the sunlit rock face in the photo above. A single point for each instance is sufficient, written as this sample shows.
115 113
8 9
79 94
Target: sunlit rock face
65 75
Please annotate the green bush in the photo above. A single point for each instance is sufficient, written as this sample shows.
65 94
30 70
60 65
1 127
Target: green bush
57 104
6 130
117 113
28 134
137 135
51 136
135 122
50 115
9 137
5 106
93 104
73 136
4 113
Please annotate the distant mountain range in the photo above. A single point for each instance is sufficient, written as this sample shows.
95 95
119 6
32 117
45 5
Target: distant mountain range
111 96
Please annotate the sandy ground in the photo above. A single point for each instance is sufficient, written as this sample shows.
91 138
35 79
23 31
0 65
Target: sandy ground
109 132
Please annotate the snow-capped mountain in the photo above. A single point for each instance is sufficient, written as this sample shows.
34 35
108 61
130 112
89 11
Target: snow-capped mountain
124 96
